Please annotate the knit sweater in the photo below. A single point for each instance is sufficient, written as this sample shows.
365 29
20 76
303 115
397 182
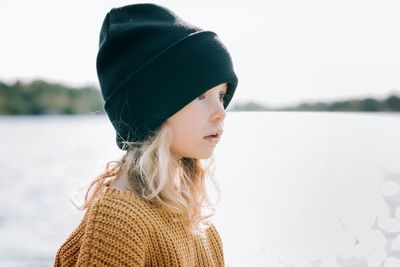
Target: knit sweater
122 229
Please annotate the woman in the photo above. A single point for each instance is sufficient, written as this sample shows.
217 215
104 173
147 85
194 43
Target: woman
166 84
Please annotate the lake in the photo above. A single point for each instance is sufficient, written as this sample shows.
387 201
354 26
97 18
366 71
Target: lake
298 188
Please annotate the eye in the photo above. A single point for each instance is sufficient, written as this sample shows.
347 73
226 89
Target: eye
222 96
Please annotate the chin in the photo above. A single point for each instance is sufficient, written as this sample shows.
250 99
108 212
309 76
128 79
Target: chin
204 155
199 156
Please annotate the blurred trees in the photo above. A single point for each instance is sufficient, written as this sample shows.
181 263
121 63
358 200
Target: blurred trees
40 97
390 104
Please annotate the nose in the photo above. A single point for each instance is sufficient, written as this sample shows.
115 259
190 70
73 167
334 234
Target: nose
218 114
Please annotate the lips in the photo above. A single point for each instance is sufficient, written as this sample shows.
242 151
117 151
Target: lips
216 134
212 139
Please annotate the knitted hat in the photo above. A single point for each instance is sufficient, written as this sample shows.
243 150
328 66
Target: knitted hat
151 63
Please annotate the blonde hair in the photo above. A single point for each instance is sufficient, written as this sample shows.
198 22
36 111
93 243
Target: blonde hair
156 176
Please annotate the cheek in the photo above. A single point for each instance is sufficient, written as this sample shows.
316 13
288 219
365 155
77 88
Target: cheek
186 126
184 131
186 135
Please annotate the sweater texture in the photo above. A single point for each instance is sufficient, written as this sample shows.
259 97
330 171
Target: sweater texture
122 229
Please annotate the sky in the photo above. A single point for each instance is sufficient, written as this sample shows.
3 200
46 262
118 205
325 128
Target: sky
284 52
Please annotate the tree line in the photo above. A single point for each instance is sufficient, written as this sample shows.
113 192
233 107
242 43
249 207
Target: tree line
389 104
40 97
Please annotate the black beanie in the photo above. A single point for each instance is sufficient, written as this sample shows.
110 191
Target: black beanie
151 63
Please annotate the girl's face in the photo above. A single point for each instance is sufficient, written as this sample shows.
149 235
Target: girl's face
201 117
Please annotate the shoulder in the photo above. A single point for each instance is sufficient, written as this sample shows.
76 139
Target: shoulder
120 209
113 232
115 224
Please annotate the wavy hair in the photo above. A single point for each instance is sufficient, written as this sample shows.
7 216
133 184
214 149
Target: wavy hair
156 176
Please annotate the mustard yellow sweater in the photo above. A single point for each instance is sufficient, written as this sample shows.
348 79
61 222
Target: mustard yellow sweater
122 229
